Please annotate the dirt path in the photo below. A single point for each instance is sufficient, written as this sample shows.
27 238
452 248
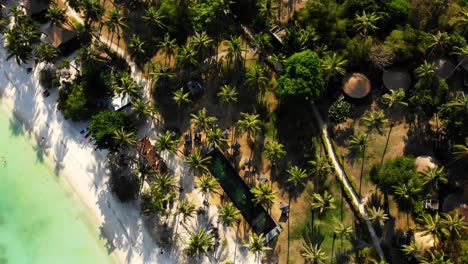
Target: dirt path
345 181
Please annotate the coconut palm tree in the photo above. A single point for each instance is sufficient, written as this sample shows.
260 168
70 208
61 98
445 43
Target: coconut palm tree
394 98
136 47
20 41
320 168
143 170
273 151
263 195
17 12
208 185
435 257
228 94
202 43
197 162
126 86
166 142
267 10
228 214
46 53
374 120
115 21
313 254
322 203
358 144
215 136
56 15
154 18
366 22
425 70
297 176
262 44
93 11
411 251
250 123
181 97
455 224
405 193
166 182
256 244
124 138
377 215
186 209
434 226
433 176
161 72
186 57
202 121
439 41
234 50
461 150
89 56
461 20
342 230
199 243
256 79
142 108
333 65
169 47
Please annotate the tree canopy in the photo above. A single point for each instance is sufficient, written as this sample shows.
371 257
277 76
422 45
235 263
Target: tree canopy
104 125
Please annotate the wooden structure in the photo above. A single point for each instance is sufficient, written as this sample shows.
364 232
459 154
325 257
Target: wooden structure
64 39
279 33
356 85
151 155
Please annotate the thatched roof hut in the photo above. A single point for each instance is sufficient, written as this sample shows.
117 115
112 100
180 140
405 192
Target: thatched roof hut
66 40
356 85
395 79
444 68
424 162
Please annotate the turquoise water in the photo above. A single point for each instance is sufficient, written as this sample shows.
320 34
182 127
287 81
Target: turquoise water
41 220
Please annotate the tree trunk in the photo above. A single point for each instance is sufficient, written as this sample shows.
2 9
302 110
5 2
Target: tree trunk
386 144
333 248
362 169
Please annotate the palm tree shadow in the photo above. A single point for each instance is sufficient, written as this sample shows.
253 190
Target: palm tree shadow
313 234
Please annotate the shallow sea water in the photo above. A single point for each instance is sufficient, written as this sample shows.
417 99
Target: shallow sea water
41 220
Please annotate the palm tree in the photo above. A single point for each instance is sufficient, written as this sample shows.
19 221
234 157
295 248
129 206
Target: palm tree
234 50
46 53
228 214
126 86
180 97
273 151
425 70
208 185
333 65
313 254
136 46
56 15
323 202
197 162
166 142
320 168
215 136
366 22
262 44
93 10
394 98
411 251
250 123
186 57
154 18
461 150
438 41
166 182
256 244
358 144
256 79
455 224
342 230
161 72
124 138
460 51
202 121
142 108
297 176
435 257
374 120
20 41
405 193
115 20
143 170
89 56
377 215
267 10
186 209
202 42
462 20
169 47
433 176
228 94
263 194
433 226
199 243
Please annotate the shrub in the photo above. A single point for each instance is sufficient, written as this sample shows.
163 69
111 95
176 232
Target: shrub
48 78
339 111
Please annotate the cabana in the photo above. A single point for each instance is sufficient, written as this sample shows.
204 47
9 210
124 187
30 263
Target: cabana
65 40
356 85
151 155
444 68
395 79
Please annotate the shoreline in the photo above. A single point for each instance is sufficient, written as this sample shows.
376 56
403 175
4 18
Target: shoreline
72 158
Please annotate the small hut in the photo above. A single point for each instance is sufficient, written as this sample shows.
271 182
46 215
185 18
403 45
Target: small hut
395 79
65 40
444 68
356 85
424 162
37 9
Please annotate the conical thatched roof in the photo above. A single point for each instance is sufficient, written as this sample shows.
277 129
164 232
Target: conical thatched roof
443 68
395 79
356 85
424 162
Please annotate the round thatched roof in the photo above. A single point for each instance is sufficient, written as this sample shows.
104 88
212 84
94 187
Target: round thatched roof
443 68
356 85
395 79
424 162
